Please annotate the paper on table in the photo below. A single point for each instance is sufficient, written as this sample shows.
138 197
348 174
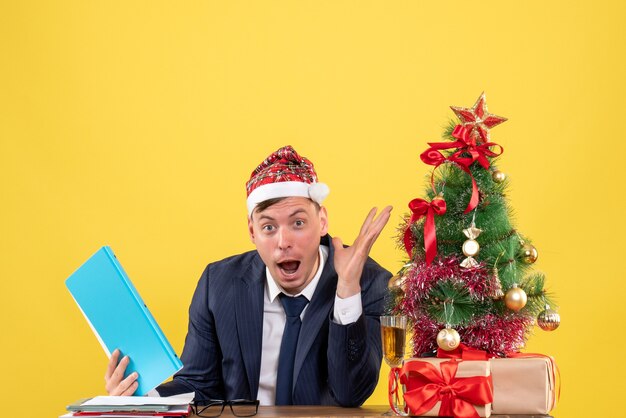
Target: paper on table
183 399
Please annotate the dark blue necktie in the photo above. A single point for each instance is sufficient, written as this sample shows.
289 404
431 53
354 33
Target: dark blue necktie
284 380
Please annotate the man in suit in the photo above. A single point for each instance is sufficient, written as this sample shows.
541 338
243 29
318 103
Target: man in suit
294 322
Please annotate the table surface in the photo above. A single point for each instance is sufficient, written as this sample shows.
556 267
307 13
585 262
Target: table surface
333 411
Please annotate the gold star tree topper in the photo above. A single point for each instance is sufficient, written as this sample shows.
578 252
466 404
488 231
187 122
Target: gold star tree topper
477 119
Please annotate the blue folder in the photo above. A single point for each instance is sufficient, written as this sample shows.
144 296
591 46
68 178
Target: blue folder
120 319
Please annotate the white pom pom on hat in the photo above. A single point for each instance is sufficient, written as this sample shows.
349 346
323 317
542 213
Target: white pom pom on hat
318 192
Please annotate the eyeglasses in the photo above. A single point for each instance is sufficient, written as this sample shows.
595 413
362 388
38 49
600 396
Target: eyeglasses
211 408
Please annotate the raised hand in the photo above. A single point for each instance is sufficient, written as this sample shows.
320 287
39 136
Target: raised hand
115 384
349 261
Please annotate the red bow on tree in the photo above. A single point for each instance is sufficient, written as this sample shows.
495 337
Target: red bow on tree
466 144
419 208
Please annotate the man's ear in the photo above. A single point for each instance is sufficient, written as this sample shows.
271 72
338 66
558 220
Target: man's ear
251 229
323 221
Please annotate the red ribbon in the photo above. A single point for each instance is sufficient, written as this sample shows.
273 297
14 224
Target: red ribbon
426 385
419 208
464 352
393 389
477 152
466 144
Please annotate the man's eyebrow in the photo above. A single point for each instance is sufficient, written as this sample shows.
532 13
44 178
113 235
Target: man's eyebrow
292 214
297 211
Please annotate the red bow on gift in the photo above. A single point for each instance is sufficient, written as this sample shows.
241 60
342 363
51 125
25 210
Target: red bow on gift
419 208
428 385
466 144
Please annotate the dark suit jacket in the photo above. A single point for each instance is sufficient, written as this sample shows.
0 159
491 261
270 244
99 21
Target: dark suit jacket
334 365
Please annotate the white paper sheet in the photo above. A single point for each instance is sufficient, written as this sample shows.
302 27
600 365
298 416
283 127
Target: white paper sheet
184 399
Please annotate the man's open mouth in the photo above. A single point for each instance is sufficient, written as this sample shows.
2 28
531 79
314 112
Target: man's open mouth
289 267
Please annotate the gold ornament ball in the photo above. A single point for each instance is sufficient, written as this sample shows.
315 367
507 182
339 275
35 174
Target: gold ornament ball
397 282
498 176
448 339
470 248
549 320
515 299
529 254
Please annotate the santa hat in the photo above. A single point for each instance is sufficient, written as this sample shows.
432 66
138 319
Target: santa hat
284 174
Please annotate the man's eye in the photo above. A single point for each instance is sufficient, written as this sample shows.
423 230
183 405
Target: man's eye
268 228
299 222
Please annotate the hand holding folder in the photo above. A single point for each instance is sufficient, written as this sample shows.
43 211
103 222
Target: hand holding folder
121 320
116 384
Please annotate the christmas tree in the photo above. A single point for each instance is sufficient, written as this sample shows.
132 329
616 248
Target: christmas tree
469 276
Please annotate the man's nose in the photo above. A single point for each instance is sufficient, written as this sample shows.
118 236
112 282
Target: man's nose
284 239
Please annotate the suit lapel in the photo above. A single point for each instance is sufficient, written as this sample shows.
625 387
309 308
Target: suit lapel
249 291
318 310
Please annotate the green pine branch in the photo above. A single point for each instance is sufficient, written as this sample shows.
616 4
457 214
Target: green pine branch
537 296
450 303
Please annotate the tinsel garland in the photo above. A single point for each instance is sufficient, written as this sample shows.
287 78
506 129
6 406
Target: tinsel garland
491 333
495 334
422 277
498 335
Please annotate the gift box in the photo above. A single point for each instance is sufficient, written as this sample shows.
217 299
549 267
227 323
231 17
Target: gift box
445 387
523 385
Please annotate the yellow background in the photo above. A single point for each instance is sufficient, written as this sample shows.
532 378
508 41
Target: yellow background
136 124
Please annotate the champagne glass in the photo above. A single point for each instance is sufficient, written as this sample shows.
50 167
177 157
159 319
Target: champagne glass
393 332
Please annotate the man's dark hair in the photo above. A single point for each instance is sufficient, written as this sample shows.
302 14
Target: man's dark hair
260 207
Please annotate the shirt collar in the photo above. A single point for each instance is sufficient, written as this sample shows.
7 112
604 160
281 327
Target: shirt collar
273 289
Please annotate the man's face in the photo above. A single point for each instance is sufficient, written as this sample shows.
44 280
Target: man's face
287 237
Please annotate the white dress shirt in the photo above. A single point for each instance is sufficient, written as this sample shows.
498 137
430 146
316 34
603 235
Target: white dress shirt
346 311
